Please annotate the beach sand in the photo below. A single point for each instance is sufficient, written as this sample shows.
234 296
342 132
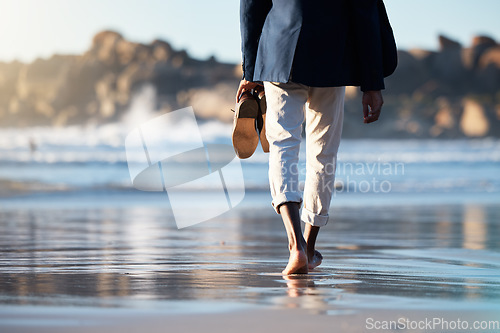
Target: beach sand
272 320
127 268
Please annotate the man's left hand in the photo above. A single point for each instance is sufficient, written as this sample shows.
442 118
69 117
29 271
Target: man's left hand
372 105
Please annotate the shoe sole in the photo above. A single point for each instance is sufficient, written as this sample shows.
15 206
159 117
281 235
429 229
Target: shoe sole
245 137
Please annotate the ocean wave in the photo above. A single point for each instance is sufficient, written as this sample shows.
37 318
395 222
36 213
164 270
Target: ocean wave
105 144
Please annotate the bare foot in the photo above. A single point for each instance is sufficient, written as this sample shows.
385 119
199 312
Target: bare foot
297 264
315 260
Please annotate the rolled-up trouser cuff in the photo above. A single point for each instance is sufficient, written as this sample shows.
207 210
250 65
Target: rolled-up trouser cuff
315 220
281 198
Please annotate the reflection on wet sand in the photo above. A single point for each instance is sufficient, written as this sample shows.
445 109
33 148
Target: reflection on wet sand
402 257
475 230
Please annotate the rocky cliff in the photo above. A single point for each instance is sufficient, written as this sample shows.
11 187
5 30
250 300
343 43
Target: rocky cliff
451 93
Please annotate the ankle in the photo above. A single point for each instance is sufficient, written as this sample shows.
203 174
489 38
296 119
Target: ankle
300 246
310 247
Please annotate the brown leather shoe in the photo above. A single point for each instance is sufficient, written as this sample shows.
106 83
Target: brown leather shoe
261 117
245 137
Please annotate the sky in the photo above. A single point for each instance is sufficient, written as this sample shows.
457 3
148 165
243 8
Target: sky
40 28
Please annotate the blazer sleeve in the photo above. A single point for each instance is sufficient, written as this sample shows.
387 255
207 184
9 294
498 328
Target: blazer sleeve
368 39
253 14
389 49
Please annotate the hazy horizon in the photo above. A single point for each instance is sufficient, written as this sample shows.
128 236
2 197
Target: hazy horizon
34 29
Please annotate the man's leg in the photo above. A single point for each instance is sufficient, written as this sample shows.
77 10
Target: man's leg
297 263
314 258
324 117
285 115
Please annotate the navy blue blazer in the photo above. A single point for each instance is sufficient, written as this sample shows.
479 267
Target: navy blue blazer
319 43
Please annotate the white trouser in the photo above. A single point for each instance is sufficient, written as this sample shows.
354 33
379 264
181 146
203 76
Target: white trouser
287 103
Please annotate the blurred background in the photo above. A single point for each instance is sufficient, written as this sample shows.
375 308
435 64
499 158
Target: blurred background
417 191
77 76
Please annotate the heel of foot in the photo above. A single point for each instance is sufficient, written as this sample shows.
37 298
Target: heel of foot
297 264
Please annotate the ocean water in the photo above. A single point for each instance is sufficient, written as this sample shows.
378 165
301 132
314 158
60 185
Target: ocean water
85 159
415 225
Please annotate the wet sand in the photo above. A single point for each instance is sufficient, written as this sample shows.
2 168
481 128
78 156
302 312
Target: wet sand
126 268
55 320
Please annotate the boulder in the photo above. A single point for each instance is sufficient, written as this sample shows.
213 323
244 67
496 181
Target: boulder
410 74
474 122
423 98
448 69
490 58
472 55
483 40
488 71
446 44
104 47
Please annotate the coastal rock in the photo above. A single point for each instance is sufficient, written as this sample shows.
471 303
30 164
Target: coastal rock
483 40
480 44
162 51
446 44
488 71
445 119
474 122
490 58
208 102
449 93
410 74
447 66
104 46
